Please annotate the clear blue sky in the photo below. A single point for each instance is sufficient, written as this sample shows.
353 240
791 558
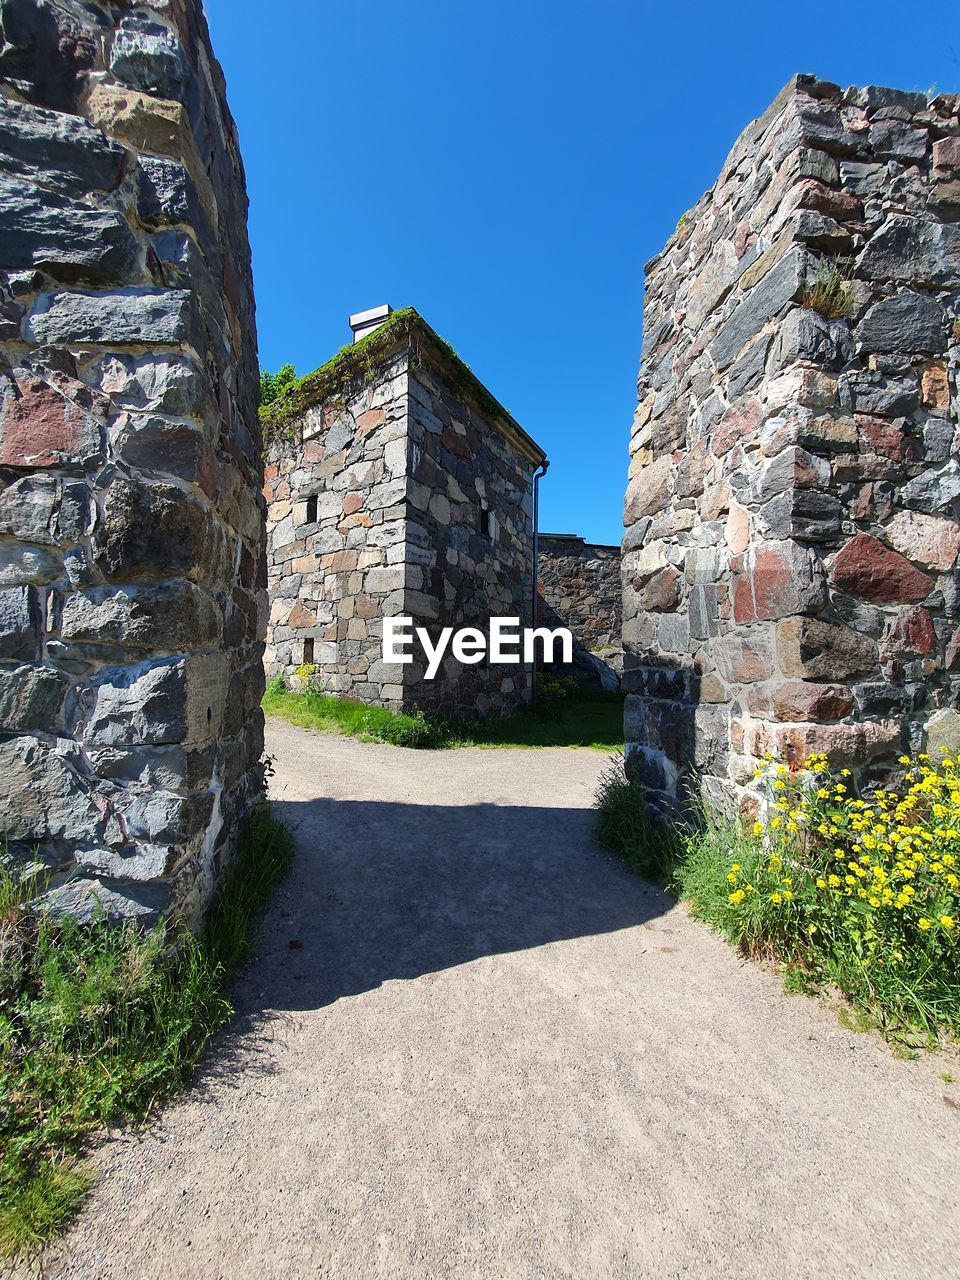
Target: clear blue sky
507 166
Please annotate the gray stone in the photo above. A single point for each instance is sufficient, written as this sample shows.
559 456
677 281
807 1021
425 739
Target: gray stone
166 196
148 316
933 491
748 370
159 530
61 151
44 52
89 899
148 56
915 250
44 509
900 141
908 322
43 796
173 617
20 563
19 623
801 513
938 437
151 380
71 240
157 702
879 394
943 733
807 336
30 698
778 288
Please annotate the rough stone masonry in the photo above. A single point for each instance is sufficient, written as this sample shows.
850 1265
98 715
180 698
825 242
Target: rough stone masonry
130 513
790 580
397 486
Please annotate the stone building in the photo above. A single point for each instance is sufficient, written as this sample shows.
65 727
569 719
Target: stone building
396 485
790 555
580 587
130 465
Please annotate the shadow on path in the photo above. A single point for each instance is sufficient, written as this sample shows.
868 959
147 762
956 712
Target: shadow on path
382 890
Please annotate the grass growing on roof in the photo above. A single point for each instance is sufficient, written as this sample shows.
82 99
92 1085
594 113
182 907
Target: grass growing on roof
561 718
100 1024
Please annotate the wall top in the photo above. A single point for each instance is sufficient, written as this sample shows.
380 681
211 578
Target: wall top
404 330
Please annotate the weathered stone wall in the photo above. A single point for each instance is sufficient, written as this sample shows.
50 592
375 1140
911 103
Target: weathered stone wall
408 465
130 512
332 578
791 522
460 467
580 587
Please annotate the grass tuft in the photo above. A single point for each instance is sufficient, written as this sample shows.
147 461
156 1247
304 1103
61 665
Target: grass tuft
828 293
100 1024
559 719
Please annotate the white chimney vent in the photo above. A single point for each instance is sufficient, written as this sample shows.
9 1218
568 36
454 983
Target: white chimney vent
364 322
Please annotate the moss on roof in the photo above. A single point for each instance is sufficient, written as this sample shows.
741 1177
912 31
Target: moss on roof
361 360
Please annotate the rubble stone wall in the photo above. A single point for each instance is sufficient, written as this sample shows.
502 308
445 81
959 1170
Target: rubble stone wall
460 573
580 587
336 491
130 508
790 554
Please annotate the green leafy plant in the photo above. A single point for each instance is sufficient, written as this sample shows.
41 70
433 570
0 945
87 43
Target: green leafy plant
101 1023
273 386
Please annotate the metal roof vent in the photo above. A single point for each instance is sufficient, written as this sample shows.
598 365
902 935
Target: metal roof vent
364 322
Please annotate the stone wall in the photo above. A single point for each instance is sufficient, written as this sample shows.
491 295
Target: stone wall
423 508
791 521
580 587
130 510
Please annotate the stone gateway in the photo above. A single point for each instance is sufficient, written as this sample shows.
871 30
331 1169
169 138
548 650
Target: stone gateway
131 521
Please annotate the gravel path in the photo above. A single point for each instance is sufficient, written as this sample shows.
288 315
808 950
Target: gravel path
473 1046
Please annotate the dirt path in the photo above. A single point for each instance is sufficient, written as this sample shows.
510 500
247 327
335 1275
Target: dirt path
495 1054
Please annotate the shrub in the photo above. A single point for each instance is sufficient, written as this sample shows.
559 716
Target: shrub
551 695
863 891
275 385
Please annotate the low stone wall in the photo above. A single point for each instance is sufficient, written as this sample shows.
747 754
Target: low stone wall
130 512
580 587
396 486
792 532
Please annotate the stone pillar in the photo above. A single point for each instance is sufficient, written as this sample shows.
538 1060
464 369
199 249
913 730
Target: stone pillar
791 518
130 513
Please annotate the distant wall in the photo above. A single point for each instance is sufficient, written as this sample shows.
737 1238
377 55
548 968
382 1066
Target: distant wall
792 532
130 508
580 587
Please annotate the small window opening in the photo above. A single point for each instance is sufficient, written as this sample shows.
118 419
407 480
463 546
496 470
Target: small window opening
312 510
485 522
308 649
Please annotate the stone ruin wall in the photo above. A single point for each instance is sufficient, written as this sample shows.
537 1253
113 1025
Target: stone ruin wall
331 580
791 540
399 463
460 461
130 509
579 586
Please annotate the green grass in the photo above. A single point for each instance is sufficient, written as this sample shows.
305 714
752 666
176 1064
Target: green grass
565 719
100 1024
905 984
